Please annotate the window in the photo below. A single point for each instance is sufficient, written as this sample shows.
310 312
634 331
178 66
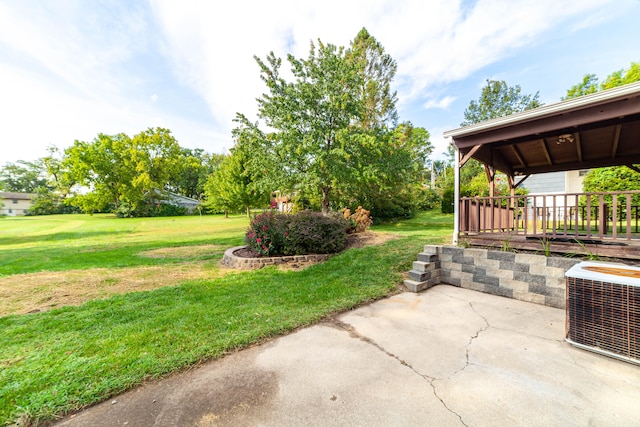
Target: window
15 201
583 172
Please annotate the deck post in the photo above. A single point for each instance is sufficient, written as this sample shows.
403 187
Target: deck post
456 194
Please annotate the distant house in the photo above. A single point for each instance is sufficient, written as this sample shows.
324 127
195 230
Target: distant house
15 204
191 205
281 202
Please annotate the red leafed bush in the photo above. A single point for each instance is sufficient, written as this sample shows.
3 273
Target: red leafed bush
274 234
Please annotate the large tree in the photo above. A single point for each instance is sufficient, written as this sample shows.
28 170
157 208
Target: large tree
231 187
23 176
590 84
101 166
498 100
388 171
377 69
195 167
622 77
333 127
122 172
615 178
154 155
310 118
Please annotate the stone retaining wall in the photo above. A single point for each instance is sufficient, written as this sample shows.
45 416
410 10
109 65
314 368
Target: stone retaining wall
232 261
523 276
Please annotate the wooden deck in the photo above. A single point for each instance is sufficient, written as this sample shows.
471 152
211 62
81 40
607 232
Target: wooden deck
585 224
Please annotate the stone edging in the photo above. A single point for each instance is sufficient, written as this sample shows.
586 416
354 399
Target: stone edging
232 261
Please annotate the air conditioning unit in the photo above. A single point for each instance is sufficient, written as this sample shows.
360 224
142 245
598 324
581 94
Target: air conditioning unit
603 309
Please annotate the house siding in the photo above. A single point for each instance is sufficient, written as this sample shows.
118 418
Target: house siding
15 204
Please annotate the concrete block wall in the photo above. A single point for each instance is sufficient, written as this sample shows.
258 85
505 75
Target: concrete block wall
523 276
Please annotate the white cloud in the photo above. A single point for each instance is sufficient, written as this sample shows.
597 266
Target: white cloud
434 42
442 103
72 69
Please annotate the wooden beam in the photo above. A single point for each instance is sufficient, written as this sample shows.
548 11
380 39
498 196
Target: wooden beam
585 164
616 139
521 181
545 150
491 173
618 110
516 153
578 146
467 156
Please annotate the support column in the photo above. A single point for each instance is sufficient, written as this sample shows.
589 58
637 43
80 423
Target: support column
456 194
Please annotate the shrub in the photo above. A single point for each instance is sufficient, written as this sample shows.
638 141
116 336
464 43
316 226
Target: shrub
266 233
359 220
314 233
447 201
429 199
306 232
397 207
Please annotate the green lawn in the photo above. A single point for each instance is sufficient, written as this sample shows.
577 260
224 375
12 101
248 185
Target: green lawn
65 242
61 360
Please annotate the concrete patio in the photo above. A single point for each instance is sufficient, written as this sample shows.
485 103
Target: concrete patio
445 357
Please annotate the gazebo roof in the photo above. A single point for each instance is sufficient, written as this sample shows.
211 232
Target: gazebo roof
596 130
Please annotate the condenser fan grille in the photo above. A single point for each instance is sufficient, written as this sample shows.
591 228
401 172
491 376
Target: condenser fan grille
604 317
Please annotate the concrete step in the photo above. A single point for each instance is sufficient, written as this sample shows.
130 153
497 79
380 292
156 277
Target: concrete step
425 266
427 257
430 249
421 276
415 286
426 270
420 266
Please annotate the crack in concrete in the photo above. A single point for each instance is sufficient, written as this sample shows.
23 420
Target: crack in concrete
355 334
484 328
467 363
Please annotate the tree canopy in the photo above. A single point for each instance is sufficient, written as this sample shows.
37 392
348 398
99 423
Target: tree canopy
231 186
195 167
498 100
590 84
122 173
332 129
23 176
376 70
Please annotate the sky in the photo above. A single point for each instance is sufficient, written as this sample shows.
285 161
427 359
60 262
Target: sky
72 69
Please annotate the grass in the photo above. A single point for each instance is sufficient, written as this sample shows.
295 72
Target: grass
61 360
66 242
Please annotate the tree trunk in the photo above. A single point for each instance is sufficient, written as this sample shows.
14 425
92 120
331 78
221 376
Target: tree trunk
226 213
325 200
248 212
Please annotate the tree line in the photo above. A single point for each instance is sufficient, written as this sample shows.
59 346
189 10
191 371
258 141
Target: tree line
327 136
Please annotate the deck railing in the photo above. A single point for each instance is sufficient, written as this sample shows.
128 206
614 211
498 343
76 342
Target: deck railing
610 215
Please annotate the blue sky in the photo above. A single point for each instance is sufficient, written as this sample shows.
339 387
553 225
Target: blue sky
71 69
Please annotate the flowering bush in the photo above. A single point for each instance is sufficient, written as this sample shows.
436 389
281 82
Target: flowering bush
273 233
266 233
359 220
